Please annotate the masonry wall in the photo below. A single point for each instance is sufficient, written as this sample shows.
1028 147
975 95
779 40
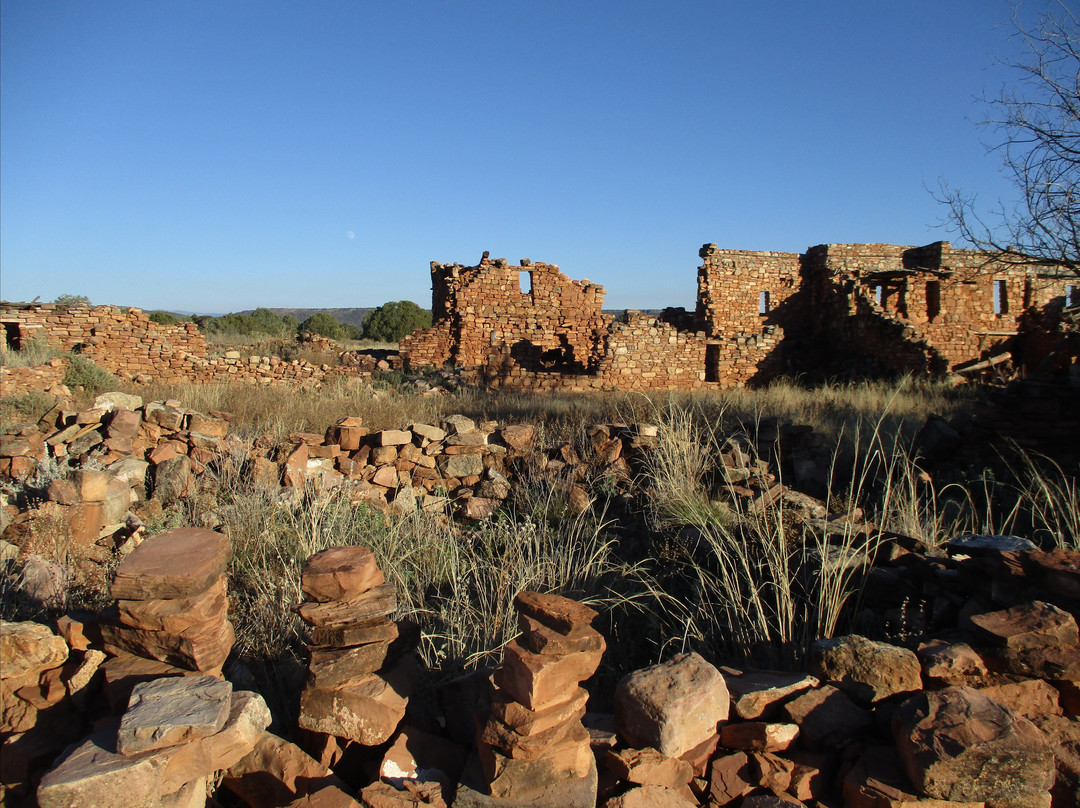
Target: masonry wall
123 341
533 313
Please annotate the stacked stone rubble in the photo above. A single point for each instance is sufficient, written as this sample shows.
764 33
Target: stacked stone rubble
534 740
359 681
165 750
171 602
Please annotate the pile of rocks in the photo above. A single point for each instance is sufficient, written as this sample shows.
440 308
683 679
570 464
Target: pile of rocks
164 752
171 603
533 745
359 681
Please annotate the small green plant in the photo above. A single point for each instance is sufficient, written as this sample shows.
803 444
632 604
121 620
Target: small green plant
89 375
33 352
73 301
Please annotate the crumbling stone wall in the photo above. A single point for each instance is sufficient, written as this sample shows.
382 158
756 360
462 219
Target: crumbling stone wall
532 313
854 308
123 341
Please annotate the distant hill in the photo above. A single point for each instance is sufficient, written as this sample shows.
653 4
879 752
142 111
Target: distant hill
350 316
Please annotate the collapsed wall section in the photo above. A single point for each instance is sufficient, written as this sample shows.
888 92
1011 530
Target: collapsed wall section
123 341
529 316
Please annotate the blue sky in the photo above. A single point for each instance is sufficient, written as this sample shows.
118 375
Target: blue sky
218 156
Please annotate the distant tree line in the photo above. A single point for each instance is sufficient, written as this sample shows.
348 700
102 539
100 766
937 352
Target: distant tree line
388 323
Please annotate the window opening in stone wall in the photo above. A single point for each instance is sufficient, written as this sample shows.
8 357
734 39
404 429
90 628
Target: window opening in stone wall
763 303
933 300
879 294
525 282
12 341
1001 298
1072 296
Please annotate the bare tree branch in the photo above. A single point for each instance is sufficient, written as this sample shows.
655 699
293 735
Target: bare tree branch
1036 127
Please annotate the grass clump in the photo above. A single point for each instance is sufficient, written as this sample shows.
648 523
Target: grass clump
33 352
89 375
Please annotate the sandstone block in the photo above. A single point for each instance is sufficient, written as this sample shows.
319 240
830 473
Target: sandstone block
178 563
649 796
377 602
1030 698
379 629
91 775
170 711
92 485
539 680
673 706
540 639
197 613
393 437
334 667
648 767
1029 626
340 573
730 777
866 670
206 650
528 722
554 611
758 694
952 663
28 649
275 772
958 744
367 711
417 756
497 735
758 736
827 718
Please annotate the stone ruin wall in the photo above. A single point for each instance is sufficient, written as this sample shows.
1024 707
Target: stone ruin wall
872 308
127 343
529 315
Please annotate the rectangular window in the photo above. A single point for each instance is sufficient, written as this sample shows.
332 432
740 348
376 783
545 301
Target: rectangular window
933 299
1001 298
525 282
879 294
1072 296
763 303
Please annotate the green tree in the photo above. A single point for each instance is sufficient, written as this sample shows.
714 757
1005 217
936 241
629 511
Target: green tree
72 300
322 323
275 325
163 317
392 321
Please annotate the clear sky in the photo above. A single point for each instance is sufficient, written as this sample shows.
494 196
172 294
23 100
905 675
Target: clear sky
218 156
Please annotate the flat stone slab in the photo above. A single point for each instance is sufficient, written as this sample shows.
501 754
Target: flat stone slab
757 694
340 573
28 648
554 611
94 775
204 651
173 710
376 602
178 615
367 710
178 563
552 788
867 670
379 629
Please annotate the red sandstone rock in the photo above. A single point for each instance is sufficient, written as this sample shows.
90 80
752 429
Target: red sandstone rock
758 736
648 767
866 670
957 744
521 437
378 629
730 777
540 680
375 603
498 736
367 711
335 667
827 719
275 772
528 722
510 778
758 694
1029 626
179 563
951 663
558 613
28 649
673 706
340 573
1030 698
417 756
204 651
172 711
177 615
649 796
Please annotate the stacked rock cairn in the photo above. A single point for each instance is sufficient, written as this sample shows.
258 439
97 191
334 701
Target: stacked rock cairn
359 678
176 731
534 739
171 601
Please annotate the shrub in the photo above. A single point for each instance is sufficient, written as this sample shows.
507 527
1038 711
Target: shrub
33 353
324 324
89 375
392 321
72 300
163 317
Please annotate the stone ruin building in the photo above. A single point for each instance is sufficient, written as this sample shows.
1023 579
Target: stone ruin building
852 309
